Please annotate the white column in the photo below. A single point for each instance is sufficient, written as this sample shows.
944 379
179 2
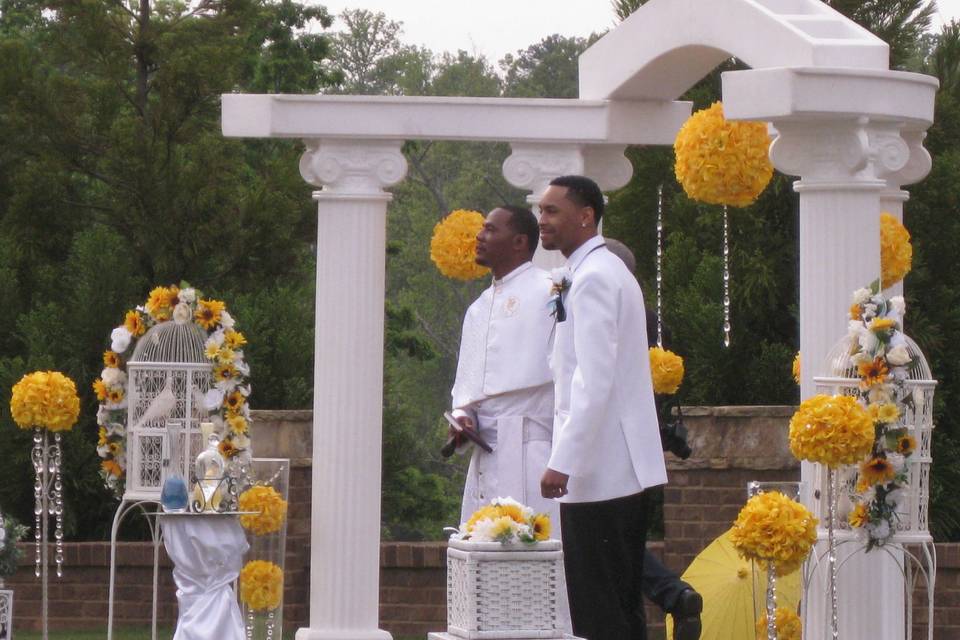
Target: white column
348 383
841 162
532 166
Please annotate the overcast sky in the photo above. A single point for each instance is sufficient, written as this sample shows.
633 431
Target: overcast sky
497 27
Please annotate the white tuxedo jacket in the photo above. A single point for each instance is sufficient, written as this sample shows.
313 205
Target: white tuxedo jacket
606 435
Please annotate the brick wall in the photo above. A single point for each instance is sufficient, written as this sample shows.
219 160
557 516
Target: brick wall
732 445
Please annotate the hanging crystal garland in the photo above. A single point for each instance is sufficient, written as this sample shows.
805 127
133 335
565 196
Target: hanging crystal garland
36 456
660 265
56 465
771 600
726 278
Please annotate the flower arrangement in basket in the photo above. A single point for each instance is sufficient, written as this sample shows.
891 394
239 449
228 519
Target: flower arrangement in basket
223 348
506 521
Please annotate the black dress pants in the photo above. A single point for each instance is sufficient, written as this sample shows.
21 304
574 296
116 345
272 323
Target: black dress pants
603 550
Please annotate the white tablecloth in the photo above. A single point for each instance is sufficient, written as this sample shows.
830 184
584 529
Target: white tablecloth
207 553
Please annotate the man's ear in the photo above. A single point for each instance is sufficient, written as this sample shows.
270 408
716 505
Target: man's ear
520 243
591 216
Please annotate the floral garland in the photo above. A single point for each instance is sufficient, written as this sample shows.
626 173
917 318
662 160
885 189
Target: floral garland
45 399
454 244
831 430
722 162
666 369
505 520
223 348
896 252
879 351
270 506
789 626
261 585
773 528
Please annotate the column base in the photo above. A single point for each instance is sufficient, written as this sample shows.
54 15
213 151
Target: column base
437 635
306 633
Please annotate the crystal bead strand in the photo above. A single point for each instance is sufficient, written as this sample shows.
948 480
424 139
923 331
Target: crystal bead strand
832 554
771 600
726 278
56 467
660 265
37 455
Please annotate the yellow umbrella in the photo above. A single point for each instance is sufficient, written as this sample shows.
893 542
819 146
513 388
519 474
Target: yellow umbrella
727 583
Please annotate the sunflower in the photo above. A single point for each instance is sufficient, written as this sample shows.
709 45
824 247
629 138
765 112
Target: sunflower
112 468
878 325
115 395
211 351
234 339
101 436
100 388
238 424
873 372
235 401
161 301
876 471
111 359
209 313
224 372
133 322
885 412
512 511
859 516
541 527
226 355
906 444
227 448
115 448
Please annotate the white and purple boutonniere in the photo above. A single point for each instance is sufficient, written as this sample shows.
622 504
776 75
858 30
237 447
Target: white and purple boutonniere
560 283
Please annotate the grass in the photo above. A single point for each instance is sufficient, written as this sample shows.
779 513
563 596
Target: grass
139 633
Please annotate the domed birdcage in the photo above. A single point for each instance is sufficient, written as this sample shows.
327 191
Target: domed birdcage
167 377
912 523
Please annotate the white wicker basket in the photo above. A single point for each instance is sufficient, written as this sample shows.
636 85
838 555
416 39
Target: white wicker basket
503 591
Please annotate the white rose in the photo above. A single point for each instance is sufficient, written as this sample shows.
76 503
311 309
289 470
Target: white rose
868 341
559 274
182 313
226 320
120 339
213 399
896 461
854 327
879 394
482 531
215 340
113 377
188 295
879 531
898 356
895 498
898 305
861 295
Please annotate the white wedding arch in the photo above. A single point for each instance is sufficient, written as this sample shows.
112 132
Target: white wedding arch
847 125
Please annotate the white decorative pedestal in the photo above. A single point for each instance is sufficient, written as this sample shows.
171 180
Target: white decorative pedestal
6 613
503 591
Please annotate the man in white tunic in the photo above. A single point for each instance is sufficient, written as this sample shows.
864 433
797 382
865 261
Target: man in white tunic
504 387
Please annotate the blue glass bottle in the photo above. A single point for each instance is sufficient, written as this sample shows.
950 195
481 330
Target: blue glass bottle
173 495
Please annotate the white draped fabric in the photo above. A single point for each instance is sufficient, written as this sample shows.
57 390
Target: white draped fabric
207 553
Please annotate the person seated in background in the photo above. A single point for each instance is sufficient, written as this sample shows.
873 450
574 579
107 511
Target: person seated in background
661 585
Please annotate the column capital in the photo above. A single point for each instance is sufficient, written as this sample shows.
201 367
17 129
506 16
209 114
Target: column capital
353 168
532 166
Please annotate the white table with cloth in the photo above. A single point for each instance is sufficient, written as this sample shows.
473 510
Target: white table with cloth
207 553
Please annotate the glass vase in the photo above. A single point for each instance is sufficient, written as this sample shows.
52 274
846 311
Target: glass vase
267 535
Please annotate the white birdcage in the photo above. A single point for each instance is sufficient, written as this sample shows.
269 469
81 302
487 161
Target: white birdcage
167 377
912 525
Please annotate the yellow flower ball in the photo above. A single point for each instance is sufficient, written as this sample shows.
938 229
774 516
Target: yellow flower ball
271 508
722 162
46 399
454 244
773 528
261 585
787 622
896 252
666 368
831 430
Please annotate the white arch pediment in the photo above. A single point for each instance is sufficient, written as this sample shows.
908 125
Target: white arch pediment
667 46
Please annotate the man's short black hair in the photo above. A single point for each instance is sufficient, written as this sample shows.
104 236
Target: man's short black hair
523 221
584 192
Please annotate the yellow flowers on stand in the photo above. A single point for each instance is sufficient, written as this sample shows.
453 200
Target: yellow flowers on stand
896 252
831 430
722 162
787 622
270 506
261 585
505 520
46 400
454 244
666 368
773 528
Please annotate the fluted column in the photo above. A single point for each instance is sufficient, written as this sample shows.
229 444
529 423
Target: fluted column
842 164
348 383
532 166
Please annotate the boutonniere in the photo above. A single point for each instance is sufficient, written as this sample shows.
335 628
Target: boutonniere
560 283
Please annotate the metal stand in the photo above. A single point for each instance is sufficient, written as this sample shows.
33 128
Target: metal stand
48 502
156 534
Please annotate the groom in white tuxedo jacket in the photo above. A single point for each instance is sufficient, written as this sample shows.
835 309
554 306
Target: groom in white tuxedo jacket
606 446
